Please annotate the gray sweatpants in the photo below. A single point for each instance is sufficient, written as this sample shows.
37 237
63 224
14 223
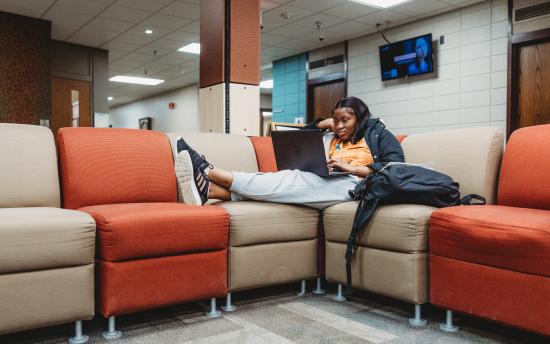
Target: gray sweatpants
292 186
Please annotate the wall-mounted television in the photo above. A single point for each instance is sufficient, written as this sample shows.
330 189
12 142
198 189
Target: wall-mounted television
411 56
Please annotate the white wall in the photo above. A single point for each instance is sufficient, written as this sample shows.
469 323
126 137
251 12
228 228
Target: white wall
184 118
469 86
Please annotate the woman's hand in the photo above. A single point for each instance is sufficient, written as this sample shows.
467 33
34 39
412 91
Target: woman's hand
337 164
327 124
342 166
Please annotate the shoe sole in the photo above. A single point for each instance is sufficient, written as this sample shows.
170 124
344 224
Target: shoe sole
184 175
184 167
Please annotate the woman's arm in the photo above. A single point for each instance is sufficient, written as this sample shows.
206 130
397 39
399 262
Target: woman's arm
340 165
319 123
390 151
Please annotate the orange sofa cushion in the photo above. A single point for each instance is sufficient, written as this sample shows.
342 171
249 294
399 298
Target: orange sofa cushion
263 146
106 166
524 178
400 137
499 236
137 285
140 230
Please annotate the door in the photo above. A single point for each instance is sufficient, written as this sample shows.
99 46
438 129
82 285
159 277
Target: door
533 85
70 104
323 97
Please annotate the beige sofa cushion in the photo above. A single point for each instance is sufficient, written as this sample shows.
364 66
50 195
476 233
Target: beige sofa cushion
396 227
45 238
253 223
230 152
28 167
470 156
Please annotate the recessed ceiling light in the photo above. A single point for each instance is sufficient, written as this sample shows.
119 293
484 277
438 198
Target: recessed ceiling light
381 3
136 80
266 84
148 32
192 48
110 98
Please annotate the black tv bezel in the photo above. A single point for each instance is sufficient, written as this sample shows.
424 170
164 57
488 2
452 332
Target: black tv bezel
398 42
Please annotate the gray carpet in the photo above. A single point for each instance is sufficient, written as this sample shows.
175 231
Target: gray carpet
277 315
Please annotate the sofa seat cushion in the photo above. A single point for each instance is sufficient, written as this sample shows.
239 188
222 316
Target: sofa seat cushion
262 222
142 230
397 227
45 238
505 237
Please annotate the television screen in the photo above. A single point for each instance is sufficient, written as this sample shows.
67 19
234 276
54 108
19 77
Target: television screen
412 56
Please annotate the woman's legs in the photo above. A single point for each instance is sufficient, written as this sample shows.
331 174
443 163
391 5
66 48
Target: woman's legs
217 192
220 177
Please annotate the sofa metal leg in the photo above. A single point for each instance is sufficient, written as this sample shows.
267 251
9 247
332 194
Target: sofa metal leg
229 307
78 338
340 296
417 321
318 289
302 291
213 313
111 332
448 325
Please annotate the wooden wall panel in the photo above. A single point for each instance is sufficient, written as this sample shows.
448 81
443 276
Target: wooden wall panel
534 85
245 42
212 28
25 86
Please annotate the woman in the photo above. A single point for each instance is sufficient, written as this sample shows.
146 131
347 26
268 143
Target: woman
356 144
423 62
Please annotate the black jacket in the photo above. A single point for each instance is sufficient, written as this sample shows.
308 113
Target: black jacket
382 144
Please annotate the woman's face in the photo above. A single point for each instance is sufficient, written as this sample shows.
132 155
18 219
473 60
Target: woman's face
421 48
345 122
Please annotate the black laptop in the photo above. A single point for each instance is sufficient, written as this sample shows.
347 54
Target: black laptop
301 150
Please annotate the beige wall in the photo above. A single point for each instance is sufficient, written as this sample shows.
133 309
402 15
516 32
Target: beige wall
469 87
184 118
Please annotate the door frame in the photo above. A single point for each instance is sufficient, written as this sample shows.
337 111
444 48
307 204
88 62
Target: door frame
515 42
324 80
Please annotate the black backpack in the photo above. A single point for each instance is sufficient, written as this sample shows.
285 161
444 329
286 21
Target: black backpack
399 183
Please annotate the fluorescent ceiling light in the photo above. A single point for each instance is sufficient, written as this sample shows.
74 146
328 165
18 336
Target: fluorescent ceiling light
381 3
266 84
148 32
193 48
136 80
110 98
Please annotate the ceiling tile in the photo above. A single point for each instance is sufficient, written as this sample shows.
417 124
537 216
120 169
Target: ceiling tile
417 8
128 14
158 31
183 36
168 43
31 8
193 27
167 21
146 5
317 5
126 65
326 21
268 5
296 13
382 17
120 46
93 37
143 58
272 39
350 10
116 54
132 38
292 31
151 48
349 28
82 6
65 23
100 23
183 9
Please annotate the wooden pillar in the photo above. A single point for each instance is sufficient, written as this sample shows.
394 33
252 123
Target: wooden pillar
229 96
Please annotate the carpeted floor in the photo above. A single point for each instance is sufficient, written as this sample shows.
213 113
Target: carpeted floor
277 315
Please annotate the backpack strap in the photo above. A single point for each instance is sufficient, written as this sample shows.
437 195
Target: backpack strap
367 206
467 200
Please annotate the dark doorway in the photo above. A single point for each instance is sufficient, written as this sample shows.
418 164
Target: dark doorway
323 97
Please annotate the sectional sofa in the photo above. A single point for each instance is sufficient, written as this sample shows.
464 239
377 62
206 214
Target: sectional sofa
151 250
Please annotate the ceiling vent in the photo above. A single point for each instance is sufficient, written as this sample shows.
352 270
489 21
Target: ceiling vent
326 62
531 12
